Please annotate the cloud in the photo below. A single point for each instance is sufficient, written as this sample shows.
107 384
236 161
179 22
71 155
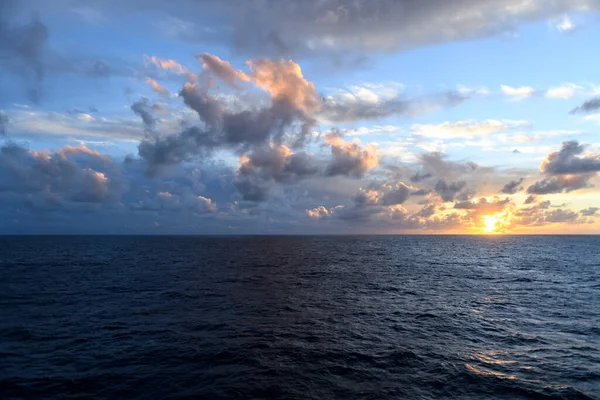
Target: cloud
22 49
589 212
166 201
558 184
292 99
464 129
372 130
387 194
566 170
483 206
352 107
170 65
169 150
395 194
436 164
283 79
144 109
518 93
530 199
157 88
3 123
448 190
209 108
543 213
319 212
54 180
588 107
565 24
350 158
419 176
568 161
512 187
337 27
565 91
222 70
560 215
263 167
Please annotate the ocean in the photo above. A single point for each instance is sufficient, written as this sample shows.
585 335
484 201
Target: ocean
315 317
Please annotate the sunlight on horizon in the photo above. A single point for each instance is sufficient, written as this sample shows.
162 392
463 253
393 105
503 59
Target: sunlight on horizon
490 223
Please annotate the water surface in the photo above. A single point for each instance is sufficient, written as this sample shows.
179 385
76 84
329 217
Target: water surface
370 317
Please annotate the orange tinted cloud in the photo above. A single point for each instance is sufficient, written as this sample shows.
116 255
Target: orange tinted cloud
222 69
156 87
170 65
283 79
350 158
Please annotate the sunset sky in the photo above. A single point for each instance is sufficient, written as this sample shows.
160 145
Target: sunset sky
292 116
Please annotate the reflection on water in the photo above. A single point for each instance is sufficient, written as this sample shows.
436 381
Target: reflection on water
300 317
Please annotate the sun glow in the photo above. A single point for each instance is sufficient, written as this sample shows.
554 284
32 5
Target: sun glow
490 223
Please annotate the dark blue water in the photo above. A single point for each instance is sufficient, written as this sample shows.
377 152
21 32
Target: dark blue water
416 317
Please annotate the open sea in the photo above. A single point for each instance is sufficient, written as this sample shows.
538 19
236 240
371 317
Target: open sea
322 317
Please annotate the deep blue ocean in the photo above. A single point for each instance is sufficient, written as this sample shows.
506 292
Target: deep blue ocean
351 317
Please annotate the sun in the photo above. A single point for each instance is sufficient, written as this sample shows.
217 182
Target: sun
490 222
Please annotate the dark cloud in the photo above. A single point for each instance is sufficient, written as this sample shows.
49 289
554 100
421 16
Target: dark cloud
436 164
99 68
589 212
512 187
388 194
427 211
22 48
339 110
285 119
421 192
566 161
164 151
559 184
543 213
449 190
483 205
144 109
566 170
209 109
396 194
350 158
70 175
265 166
560 215
3 123
530 199
334 27
419 176
587 107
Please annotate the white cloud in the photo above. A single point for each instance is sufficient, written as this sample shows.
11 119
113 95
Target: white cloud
372 130
397 150
528 149
372 93
564 91
518 93
593 118
565 24
464 129
437 146
466 90
535 136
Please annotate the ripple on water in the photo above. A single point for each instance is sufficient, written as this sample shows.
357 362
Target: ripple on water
300 317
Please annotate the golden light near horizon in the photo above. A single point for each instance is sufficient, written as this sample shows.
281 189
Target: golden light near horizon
490 223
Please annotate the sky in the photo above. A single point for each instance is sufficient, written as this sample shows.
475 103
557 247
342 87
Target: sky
299 117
